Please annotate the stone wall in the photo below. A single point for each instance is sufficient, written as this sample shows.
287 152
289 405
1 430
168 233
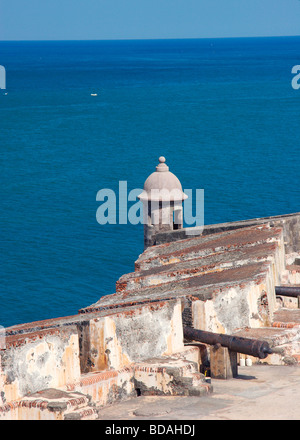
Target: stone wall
133 335
289 222
132 341
38 360
91 352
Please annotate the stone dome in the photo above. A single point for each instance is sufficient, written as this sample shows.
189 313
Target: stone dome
162 185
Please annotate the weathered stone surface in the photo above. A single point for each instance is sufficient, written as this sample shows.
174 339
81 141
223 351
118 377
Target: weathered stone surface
205 245
223 363
38 361
131 341
289 222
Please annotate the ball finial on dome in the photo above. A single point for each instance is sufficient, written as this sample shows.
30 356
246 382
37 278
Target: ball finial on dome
162 166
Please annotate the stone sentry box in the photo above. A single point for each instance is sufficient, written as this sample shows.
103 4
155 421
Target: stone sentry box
162 199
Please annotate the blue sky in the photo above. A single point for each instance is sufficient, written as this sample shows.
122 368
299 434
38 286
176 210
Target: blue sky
138 19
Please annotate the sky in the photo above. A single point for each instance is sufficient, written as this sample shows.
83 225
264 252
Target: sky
146 19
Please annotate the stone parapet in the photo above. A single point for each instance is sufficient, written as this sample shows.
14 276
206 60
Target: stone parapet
289 222
55 353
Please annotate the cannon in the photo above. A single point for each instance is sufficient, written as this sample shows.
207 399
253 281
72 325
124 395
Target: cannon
251 347
287 291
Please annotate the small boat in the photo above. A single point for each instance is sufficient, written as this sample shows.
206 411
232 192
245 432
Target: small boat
94 94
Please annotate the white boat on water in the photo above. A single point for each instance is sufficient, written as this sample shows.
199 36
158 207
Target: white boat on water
94 94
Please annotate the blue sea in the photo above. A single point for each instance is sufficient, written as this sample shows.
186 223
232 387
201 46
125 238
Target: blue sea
222 111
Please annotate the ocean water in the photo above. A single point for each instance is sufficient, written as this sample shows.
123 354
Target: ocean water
222 111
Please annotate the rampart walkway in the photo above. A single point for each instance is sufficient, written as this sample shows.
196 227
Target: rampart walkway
261 392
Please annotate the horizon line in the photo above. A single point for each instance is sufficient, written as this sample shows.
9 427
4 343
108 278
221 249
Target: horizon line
151 39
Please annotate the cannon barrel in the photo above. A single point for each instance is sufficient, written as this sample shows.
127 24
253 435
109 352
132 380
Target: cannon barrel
252 347
288 291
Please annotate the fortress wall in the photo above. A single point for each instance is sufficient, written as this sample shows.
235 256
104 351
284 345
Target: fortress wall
242 266
237 305
39 360
135 334
219 282
203 246
225 280
273 252
61 352
289 222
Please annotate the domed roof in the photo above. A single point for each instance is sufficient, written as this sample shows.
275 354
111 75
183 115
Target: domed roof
162 185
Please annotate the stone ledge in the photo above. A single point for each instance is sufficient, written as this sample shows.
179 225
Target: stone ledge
50 403
196 267
203 246
203 286
289 222
97 377
82 414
